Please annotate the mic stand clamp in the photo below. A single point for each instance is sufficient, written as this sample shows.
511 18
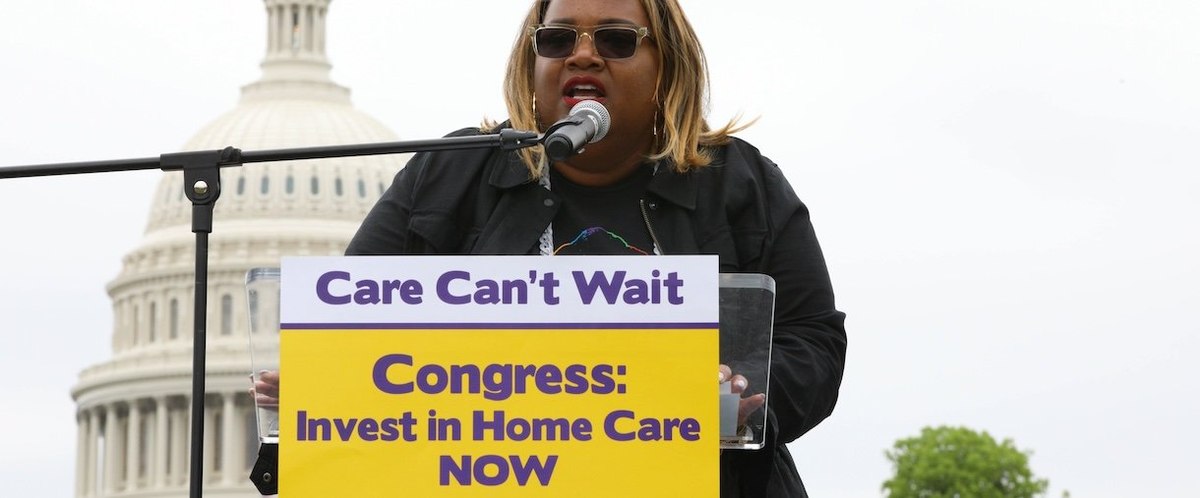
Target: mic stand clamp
511 139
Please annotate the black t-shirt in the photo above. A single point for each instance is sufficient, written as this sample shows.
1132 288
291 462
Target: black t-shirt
602 220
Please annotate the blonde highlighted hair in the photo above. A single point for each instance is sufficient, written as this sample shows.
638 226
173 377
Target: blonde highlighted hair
682 89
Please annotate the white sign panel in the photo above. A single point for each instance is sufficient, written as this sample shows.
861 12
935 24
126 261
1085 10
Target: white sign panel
386 291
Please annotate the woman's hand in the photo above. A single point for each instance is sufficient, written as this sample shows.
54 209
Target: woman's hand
738 385
266 389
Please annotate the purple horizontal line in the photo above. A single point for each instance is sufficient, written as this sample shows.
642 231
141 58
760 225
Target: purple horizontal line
539 326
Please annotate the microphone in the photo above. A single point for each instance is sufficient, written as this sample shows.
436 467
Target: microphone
587 123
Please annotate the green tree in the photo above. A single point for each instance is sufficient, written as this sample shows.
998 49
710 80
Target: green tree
957 462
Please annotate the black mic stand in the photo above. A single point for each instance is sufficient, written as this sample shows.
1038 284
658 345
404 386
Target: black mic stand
202 185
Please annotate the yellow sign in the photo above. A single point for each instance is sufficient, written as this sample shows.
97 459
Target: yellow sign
530 410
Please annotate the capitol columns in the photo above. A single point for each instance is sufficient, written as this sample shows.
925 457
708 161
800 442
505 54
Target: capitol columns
158 467
90 485
133 445
319 30
281 32
210 438
231 442
110 449
179 442
81 454
305 28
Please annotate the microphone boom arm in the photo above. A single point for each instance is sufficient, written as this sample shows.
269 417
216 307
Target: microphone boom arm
202 185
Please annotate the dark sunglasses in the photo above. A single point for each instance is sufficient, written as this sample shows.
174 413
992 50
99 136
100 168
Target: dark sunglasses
612 41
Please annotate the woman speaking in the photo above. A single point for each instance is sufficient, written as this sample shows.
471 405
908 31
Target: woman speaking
661 181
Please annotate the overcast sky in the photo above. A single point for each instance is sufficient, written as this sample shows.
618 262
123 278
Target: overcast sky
1007 194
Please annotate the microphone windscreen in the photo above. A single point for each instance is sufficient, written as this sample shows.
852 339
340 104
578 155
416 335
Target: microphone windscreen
599 115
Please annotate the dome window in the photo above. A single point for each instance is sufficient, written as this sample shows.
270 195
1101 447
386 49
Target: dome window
362 188
227 313
266 185
135 324
241 189
337 186
153 321
173 318
316 185
291 184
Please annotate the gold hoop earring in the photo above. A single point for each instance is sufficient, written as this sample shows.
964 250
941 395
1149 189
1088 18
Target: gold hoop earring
537 120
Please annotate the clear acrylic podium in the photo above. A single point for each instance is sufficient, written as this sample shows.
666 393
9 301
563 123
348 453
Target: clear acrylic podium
747 302
262 300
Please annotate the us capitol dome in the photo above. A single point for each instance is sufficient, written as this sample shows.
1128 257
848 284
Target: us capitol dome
133 410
